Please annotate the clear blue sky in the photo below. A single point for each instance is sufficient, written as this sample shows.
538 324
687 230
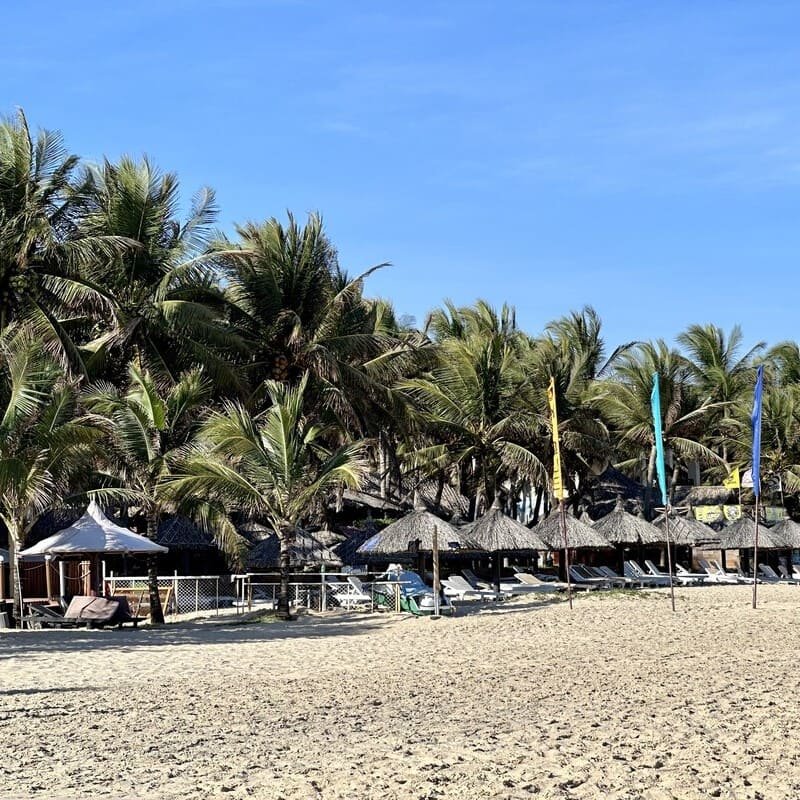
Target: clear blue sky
641 157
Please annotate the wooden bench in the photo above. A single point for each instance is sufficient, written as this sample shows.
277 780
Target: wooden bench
139 600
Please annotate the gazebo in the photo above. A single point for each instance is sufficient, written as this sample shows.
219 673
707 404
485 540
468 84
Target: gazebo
687 531
496 532
627 530
93 534
786 532
412 535
580 536
741 535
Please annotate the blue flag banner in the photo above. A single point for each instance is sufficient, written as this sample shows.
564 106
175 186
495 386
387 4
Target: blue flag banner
755 419
655 401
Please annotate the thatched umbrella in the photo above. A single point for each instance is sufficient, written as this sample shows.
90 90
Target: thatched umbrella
579 534
412 533
687 531
620 527
786 532
741 535
496 532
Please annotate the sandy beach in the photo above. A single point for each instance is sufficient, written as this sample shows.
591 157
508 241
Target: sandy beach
618 699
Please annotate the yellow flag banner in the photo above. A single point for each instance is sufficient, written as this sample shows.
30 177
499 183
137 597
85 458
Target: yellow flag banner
708 513
558 484
732 481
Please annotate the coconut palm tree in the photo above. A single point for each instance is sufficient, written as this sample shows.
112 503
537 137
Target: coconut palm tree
624 402
43 447
145 428
272 468
167 308
301 314
468 417
721 372
44 255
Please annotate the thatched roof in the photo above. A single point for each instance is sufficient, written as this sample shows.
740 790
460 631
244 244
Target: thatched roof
416 526
305 550
579 534
686 531
496 531
742 533
606 488
786 532
703 496
368 494
180 533
353 539
620 527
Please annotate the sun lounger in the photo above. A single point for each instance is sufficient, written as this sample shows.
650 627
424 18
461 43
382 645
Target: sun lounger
458 592
682 573
770 576
615 577
786 576
739 576
685 579
458 583
92 612
796 571
633 570
581 576
473 580
715 574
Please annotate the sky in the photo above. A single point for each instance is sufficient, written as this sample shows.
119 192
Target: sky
643 158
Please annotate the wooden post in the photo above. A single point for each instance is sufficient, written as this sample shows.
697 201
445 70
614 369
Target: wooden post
436 586
62 581
669 557
755 554
563 513
47 575
2 580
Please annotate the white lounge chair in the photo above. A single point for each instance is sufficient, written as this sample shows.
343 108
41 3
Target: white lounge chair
615 578
633 570
738 575
715 574
786 576
685 574
582 577
770 576
459 584
686 579
526 579
355 595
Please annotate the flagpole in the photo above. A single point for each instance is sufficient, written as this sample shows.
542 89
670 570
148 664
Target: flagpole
755 554
563 514
669 557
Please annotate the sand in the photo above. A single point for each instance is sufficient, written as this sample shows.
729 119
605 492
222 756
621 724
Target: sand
617 699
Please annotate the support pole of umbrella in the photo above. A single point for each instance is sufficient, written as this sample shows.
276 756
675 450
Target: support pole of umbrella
563 514
436 585
2 581
48 575
755 554
669 557
62 581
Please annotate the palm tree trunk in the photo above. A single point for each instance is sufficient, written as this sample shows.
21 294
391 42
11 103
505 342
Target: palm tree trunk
156 611
16 585
286 535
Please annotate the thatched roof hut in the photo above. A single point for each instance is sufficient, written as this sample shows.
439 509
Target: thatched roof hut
741 535
418 526
786 532
307 549
180 533
687 531
620 527
497 532
579 534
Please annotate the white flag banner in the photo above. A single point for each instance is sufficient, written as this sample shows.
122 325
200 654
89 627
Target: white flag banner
747 479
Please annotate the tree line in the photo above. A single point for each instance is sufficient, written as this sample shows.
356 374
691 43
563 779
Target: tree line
150 361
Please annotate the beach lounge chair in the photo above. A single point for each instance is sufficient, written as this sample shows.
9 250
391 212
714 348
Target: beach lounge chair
459 583
716 574
581 576
355 595
770 576
681 572
685 579
475 582
633 570
526 579
92 612
615 578
513 586
123 613
457 591
786 576
738 575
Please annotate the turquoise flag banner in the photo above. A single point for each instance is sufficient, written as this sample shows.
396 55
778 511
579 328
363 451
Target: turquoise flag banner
755 419
655 401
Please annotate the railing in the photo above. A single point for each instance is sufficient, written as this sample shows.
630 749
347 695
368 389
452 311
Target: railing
315 591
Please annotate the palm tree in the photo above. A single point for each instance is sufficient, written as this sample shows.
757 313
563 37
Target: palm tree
145 428
272 468
721 373
43 447
468 417
301 314
167 308
43 253
624 402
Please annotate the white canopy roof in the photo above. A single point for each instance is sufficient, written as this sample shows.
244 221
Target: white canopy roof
94 532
